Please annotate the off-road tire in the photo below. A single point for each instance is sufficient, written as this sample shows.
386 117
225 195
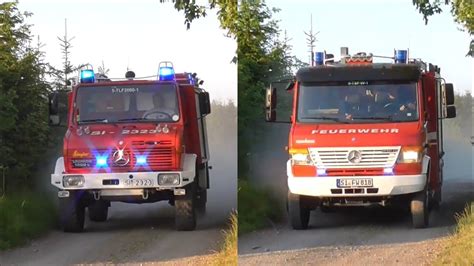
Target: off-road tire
98 210
297 211
201 201
185 209
419 209
72 212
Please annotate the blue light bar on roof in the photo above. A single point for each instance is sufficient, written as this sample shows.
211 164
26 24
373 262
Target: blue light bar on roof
166 73
401 56
319 58
191 79
87 76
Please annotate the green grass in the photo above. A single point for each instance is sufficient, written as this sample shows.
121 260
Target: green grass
23 217
459 248
228 253
257 207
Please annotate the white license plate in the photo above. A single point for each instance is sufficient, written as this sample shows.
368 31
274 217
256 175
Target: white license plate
139 182
354 182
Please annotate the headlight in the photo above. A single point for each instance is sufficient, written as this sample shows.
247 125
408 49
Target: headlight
300 157
410 154
73 181
168 179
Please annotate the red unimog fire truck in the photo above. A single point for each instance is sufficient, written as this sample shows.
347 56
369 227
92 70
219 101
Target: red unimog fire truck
365 133
133 141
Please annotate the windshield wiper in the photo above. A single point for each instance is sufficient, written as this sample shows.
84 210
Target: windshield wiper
98 120
133 119
327 118
136 119
386 118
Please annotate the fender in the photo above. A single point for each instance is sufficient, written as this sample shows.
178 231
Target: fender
204 176
58 170
425 165
189 166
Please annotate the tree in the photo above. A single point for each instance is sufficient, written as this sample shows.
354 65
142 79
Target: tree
63 76
103 70
23 96
462 11
227 12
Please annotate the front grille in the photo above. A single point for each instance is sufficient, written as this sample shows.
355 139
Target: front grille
371 157
157 157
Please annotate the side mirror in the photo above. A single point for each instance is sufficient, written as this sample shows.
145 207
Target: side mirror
270 104
204 103
54 119
451 111
449 90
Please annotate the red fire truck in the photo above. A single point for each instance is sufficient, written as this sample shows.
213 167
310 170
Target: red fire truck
364 133
134 141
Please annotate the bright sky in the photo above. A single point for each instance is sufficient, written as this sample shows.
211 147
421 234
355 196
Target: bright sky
378 27
138 34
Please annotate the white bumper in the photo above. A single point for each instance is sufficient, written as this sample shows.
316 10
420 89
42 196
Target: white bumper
387 185
95 181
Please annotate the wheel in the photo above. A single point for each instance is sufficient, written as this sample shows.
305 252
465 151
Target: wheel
419 209
185 209
98 210
297 212
201 200
71 212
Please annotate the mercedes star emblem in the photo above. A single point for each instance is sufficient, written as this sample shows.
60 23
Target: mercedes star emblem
121 157
354 156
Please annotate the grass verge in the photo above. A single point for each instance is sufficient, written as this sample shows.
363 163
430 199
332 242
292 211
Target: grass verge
257 207
228 253
24 216
459 248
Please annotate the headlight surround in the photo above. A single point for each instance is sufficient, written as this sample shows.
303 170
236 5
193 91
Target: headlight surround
73 181
410 154
300 157
171 179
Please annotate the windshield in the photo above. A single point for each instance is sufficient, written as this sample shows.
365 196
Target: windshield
125 103
357 102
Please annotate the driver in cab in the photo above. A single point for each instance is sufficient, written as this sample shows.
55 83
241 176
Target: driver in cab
395 102
161 109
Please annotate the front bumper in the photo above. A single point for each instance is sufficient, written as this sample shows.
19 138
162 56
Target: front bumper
126 180
325 186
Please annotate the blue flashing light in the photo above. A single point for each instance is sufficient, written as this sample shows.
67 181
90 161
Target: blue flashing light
319 58
401 56
87 76
166 73
321 171
101 161
191 79
388 171
141 160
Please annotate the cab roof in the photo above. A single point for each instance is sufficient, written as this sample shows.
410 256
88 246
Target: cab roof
365 72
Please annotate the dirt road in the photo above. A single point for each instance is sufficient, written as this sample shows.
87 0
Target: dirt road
366 236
